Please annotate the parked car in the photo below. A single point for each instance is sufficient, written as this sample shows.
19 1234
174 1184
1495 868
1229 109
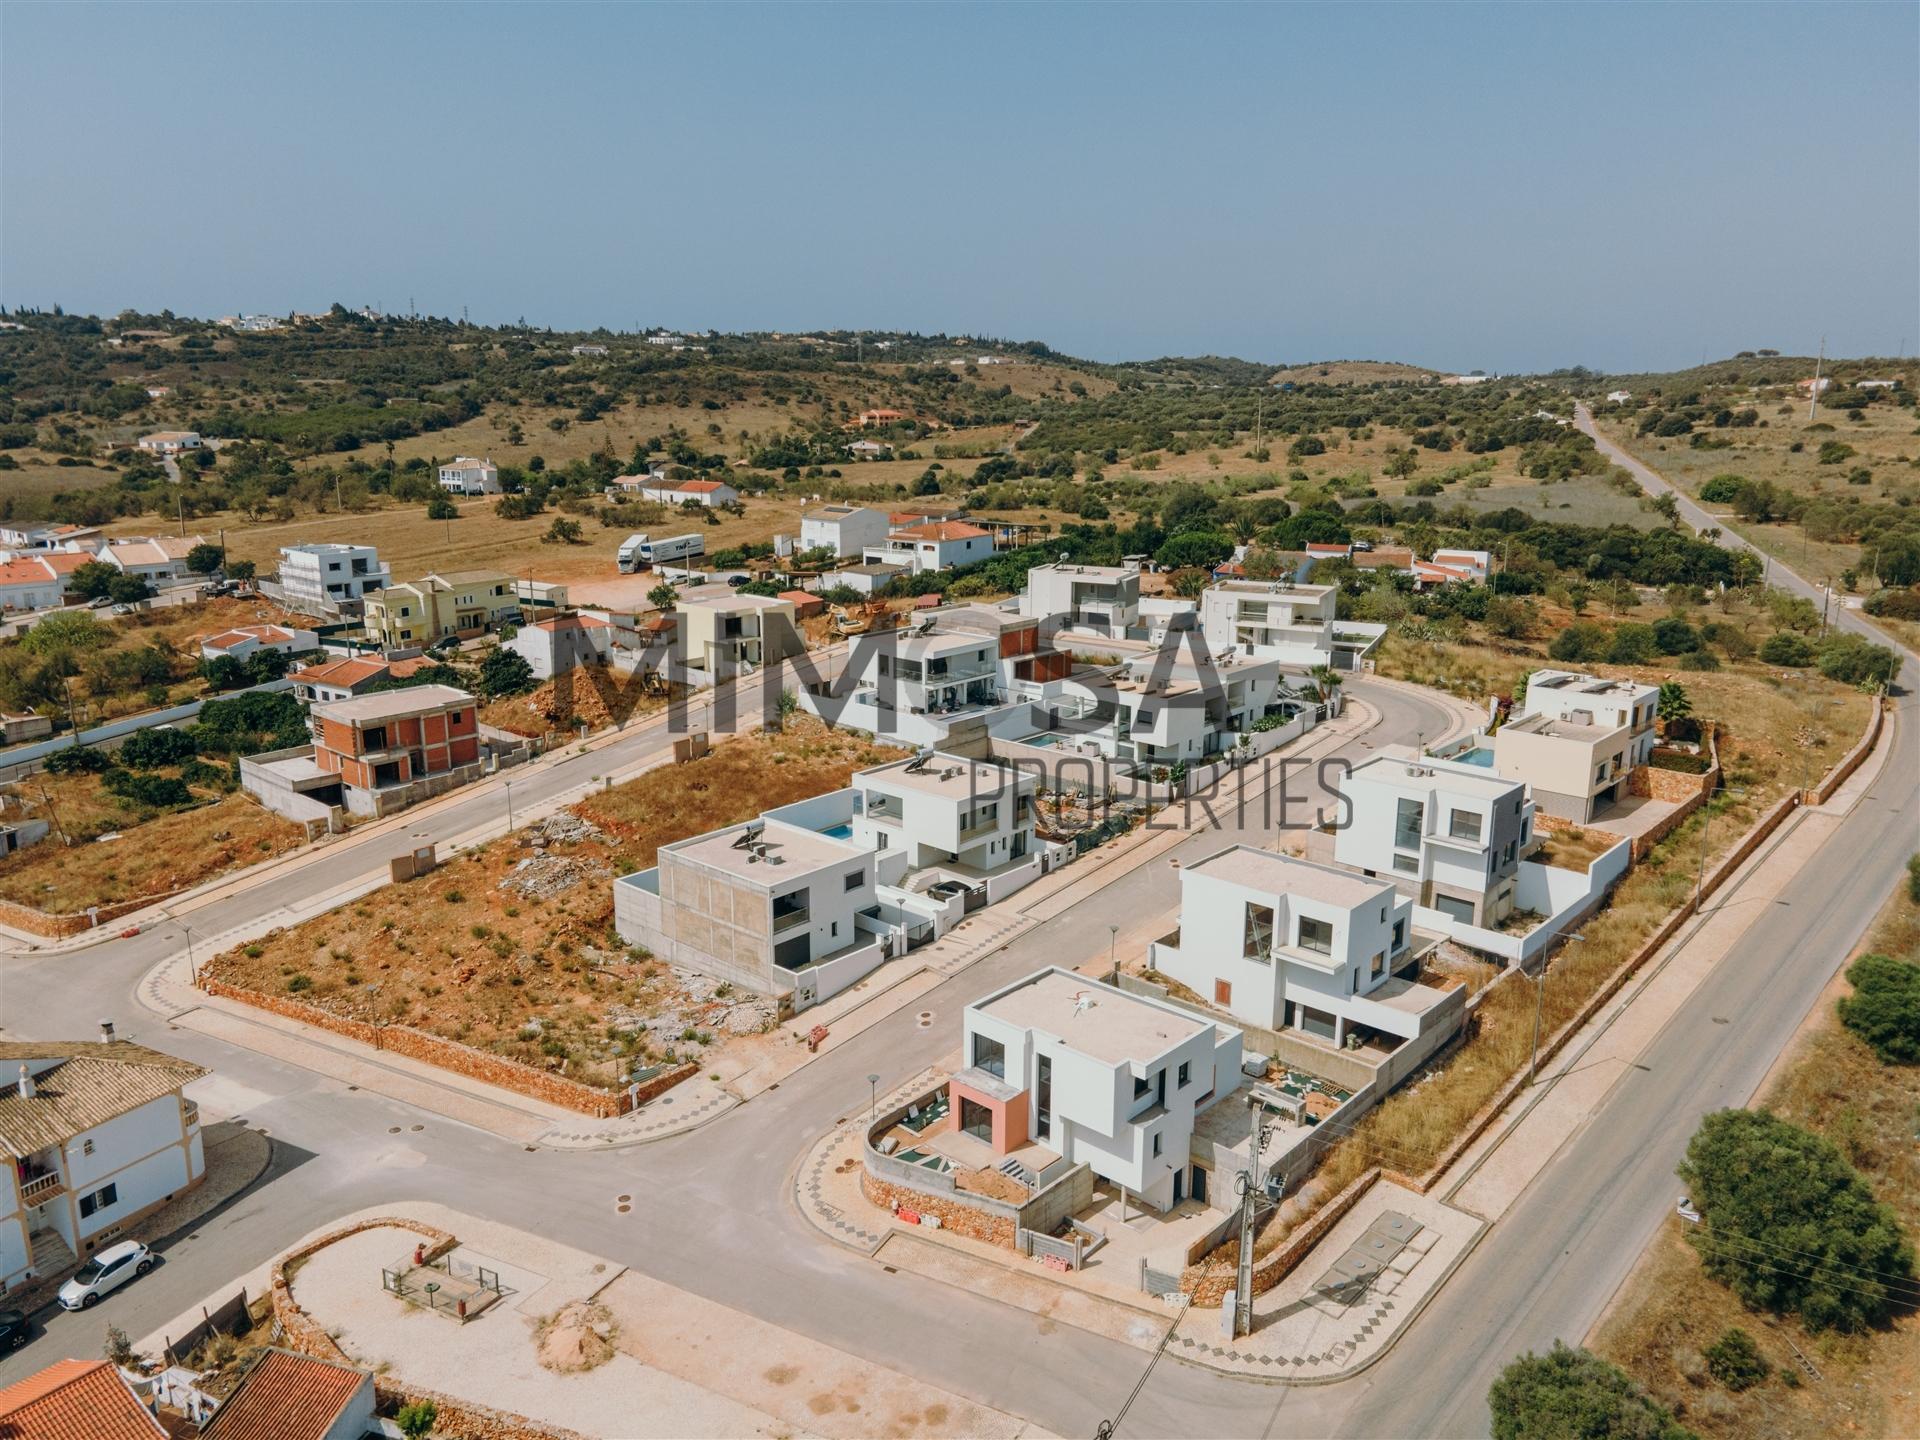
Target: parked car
13 1329
105 1273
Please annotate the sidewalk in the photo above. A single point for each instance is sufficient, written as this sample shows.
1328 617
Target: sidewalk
1492 1174
729 1078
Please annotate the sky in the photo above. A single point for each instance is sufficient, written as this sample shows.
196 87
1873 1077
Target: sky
1503 187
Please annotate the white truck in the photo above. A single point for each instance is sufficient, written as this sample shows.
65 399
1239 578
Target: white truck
639 552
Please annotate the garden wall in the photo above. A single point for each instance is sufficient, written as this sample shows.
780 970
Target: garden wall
460 1059
1207 1284
58 926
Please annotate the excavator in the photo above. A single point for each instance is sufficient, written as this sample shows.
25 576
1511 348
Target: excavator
870 616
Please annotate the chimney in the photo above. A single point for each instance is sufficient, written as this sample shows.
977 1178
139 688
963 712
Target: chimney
106 1031
26 1083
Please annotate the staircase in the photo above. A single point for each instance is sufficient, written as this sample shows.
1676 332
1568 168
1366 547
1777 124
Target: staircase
50 1253
1019 1172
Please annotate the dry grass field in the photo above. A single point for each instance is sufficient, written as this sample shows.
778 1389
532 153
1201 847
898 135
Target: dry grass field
514 951
1829 1082
1354 372
151 854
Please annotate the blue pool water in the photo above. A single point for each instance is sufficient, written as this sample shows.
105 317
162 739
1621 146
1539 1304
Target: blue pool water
1044 739
1481 756
839 832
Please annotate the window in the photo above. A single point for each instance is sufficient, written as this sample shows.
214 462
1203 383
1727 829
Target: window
1186 1069
1156 1146
1257 933
855 879
990 1055
86 1147
1409 821
1141 1085
103 1198
1316 935
1464 825
1399 935
1223 992
1407 864
1379 965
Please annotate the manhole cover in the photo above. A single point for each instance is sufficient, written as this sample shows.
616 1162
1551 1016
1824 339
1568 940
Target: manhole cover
626 1199
418 1127
625 1208
925 1019
393 1130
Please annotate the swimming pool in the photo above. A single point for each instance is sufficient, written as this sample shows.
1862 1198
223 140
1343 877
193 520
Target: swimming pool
1046 739
1480 756
838 832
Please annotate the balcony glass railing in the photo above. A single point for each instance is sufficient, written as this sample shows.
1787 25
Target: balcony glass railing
787 920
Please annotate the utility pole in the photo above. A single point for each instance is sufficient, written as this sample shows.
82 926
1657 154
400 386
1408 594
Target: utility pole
1813 400
1250 1210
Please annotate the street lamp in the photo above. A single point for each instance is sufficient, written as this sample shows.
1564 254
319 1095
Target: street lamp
509 807
1539 997
1706 829
193 971
873 1097
1113 948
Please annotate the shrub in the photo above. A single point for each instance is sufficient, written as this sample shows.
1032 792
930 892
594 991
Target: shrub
1582 640
1790 1227
160 792
1735 1361
1632 644
78 760
1570 1394
1854 660
299 983
1884 1009
1833 452
1902 604
162 745
416 1420
1783 647
1723 489
1675 636
1700 660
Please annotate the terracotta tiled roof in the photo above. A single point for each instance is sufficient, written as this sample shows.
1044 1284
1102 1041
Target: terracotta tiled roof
941 530
90 1082
65 562
285 1396
25 572
702 487
570 622
75 1400
265 634
344 673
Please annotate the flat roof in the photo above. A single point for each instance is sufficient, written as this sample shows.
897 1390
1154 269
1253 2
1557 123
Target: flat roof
1273 589
1555 728
954 776
393 704
1396 764
725 597
1575 682
617 592
1097 1020
940 642
792 851
1086 572
875 568
1277 874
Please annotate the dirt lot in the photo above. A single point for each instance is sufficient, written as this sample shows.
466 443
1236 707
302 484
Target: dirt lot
557 709
151 856
511 948
1669 1310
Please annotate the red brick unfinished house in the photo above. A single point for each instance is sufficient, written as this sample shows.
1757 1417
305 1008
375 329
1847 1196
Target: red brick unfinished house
373 754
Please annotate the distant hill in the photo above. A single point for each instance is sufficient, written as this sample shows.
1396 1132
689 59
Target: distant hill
1354 372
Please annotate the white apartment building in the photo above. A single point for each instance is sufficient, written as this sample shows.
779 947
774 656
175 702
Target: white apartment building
844 529
1165 709
1290 945
99 1135
1098 1076
170 442
1270 620
934 673
1574 739
553 647
330 574
1448 834
465 475
935 545
246 641
948 811
1105 598
721 632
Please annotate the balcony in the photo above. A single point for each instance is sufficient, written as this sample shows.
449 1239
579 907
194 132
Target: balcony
189 1113
42 1188
785 920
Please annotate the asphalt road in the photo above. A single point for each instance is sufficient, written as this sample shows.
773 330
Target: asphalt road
711 1209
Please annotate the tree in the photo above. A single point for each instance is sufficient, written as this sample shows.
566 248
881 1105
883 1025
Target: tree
160 745
416 1420
1884 1009
1570 1394
1783 647
663 597
562 532
1674 704
1632 644
518 507
1204 548
1582 640
1855 660
1511 617
205 559
1668 508
1675 636
1789 1225
127 589
240 569
504 672
784 708
67 634
1735 1361
223 672
247 724
440 506
90 581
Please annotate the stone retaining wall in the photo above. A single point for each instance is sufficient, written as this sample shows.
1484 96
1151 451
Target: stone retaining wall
1207 1284
57 926
299 1331
1850 762
460 1059
955 1215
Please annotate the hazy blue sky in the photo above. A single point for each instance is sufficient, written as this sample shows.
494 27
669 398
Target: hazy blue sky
1502 186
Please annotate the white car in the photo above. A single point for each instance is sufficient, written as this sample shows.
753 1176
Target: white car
105 1272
